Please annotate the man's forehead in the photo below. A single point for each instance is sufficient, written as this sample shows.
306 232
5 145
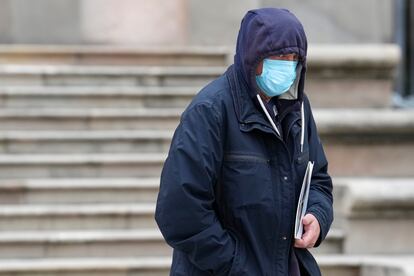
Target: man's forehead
290 56
285 55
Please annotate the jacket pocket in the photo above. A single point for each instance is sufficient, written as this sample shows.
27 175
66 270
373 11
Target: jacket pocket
245 158
246 181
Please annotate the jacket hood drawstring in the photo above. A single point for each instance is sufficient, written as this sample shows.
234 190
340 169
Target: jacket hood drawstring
302 126
302 123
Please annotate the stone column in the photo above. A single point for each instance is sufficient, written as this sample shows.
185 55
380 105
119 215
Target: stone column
217 22
5 22
143 22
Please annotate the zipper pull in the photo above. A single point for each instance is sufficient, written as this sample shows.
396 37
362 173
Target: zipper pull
274 110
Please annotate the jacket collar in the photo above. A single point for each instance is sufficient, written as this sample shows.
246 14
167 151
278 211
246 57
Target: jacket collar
244 105
247 110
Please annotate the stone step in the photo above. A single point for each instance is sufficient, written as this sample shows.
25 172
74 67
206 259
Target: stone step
353 75
94 118
56 75
333 243
107 190
95 243
62 191
84 141
366 265
337 75
96 97
77 217
138 266
80 165
330 121
339 203
367 142
379 210
27 193
113 55
358 142
99 243
105 217
333 265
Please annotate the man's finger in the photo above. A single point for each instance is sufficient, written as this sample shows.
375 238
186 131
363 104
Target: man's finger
307 237
300 243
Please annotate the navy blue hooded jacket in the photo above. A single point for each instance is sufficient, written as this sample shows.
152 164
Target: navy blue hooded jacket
230 184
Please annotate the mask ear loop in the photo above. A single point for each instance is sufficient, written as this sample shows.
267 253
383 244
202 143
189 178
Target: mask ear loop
268 115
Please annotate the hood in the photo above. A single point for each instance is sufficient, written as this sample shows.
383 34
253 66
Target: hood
266 32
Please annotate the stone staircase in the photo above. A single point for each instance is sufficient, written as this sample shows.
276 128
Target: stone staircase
84 132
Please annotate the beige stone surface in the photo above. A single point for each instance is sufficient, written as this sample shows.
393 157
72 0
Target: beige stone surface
194 22
379 159
380 216
344 93
379 236
134 21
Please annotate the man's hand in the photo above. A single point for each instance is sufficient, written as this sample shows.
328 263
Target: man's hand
312 231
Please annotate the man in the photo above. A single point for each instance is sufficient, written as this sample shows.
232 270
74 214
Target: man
231 182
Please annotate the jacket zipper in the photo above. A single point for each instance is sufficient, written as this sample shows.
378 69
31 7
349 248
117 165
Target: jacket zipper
291 158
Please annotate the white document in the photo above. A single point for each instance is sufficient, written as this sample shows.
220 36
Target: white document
303 201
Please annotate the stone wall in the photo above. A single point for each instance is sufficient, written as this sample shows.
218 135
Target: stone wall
184 22
40 21
155 22
350 21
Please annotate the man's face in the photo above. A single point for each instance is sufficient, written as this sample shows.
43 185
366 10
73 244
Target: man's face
290 57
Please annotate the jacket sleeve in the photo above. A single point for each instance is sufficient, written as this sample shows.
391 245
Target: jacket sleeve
184 211
320 202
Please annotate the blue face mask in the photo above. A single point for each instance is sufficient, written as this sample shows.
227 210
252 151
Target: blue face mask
277 76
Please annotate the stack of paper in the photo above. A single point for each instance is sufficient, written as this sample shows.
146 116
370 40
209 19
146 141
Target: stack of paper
303 201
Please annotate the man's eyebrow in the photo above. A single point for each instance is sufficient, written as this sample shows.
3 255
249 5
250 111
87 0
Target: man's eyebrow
291 54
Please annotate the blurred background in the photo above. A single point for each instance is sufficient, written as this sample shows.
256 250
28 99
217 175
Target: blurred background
91 91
